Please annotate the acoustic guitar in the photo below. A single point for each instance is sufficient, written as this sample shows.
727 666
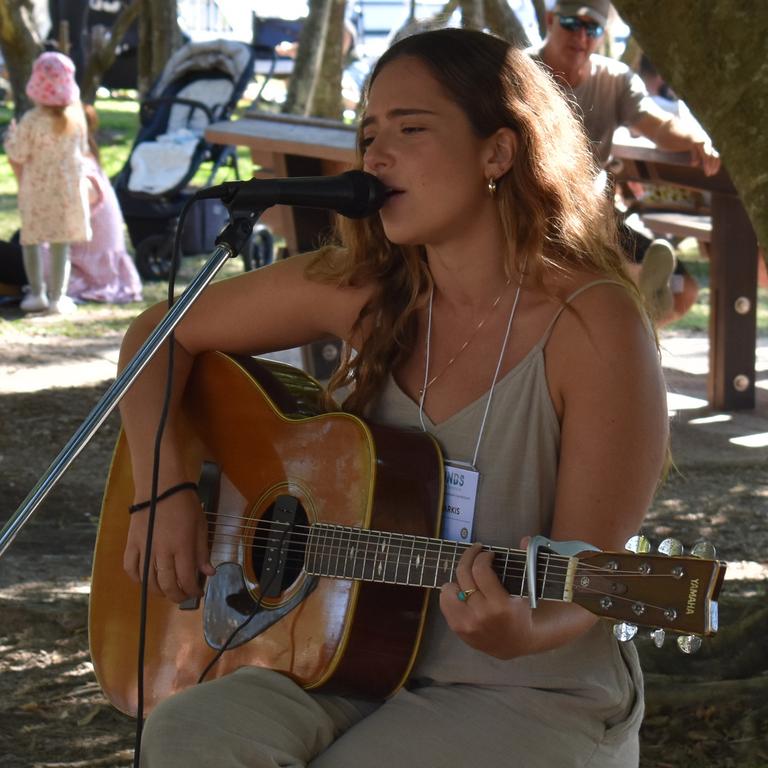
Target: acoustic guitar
324 533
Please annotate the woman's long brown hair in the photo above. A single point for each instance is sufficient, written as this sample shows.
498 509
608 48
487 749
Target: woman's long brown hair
553 217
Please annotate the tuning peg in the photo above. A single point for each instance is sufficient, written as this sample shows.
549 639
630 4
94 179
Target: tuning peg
624 632
704 549
658 636
689 643
671 548
638 544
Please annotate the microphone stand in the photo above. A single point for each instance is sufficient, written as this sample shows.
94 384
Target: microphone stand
228 244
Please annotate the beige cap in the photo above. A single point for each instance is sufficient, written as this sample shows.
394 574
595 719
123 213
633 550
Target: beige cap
596 9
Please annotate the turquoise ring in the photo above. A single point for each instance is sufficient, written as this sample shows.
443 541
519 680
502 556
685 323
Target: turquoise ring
465 594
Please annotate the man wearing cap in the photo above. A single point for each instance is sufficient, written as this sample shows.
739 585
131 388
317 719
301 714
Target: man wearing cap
610 95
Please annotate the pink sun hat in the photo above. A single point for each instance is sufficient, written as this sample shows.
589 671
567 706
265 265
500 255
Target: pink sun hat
53 80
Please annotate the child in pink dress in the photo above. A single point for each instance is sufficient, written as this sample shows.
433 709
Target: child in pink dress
102 270
47 152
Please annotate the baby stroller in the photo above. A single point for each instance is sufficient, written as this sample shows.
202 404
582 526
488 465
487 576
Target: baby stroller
201 83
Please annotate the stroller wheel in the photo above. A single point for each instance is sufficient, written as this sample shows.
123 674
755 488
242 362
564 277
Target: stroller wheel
260 249
153 257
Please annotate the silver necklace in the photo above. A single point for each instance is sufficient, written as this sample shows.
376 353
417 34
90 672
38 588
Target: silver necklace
468 341
423 392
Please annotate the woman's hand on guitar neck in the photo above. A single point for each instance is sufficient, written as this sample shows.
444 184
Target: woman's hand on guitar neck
179 548
481 612
487 618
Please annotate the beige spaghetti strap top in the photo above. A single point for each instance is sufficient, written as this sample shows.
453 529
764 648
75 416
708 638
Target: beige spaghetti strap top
518 463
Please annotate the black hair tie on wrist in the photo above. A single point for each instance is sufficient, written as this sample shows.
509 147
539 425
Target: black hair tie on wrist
188 486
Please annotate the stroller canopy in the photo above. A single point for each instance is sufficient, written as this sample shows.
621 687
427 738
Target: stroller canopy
201 83
231 57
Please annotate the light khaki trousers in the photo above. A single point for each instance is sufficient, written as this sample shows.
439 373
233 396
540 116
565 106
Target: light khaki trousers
255 718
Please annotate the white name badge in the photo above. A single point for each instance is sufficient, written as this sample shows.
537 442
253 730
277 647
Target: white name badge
460 498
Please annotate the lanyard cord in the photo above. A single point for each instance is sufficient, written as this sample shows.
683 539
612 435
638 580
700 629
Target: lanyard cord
473 463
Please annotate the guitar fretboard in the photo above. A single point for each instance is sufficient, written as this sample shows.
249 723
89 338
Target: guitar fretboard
359 554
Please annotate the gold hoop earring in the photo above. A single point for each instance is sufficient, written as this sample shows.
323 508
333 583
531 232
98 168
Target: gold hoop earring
492 187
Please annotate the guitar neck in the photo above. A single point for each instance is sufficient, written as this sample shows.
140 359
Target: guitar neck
359 554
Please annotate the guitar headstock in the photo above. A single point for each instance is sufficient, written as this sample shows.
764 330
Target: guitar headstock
666 592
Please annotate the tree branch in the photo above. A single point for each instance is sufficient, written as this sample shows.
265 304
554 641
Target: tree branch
103 51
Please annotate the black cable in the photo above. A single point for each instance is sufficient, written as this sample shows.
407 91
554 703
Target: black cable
256 608
153 494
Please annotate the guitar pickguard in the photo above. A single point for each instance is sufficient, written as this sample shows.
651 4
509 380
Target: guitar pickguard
229 603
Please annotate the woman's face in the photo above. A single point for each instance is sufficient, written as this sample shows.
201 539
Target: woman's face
419 142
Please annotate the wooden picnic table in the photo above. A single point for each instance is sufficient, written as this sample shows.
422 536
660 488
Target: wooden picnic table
286 146
732 269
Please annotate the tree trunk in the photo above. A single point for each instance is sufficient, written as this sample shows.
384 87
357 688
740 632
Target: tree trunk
718 695
159 37
438 21
308 58
472 14
315 87
102 51
501 20
713 56
632 54
326 95
20 45
540 7
737 651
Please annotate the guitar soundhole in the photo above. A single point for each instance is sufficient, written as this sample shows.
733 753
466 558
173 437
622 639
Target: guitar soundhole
277 549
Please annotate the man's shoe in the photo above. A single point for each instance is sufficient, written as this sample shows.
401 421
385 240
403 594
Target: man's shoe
657 268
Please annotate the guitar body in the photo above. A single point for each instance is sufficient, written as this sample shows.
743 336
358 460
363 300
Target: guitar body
262 427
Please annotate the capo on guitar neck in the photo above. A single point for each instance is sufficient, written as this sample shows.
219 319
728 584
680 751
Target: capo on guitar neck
565 548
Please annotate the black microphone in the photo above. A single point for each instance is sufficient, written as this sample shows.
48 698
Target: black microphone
354 194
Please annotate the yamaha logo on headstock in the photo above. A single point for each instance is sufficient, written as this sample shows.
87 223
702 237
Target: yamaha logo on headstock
693 591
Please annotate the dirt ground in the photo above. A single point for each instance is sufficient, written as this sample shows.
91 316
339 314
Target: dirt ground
52 712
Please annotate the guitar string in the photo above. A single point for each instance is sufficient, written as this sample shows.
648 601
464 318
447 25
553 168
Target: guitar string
551 571
394 539
552 582
267 526
298 555
433 566
329 552
552 577
403 546
434 548
622 598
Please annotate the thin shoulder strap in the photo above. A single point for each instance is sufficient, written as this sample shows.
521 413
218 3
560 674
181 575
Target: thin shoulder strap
569 299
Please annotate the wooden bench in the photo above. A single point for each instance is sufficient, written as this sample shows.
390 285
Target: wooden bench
676 224
698 226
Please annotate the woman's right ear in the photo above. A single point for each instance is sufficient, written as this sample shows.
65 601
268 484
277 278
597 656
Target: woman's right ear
502 151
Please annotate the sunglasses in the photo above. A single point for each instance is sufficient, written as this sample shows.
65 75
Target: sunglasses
574 24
